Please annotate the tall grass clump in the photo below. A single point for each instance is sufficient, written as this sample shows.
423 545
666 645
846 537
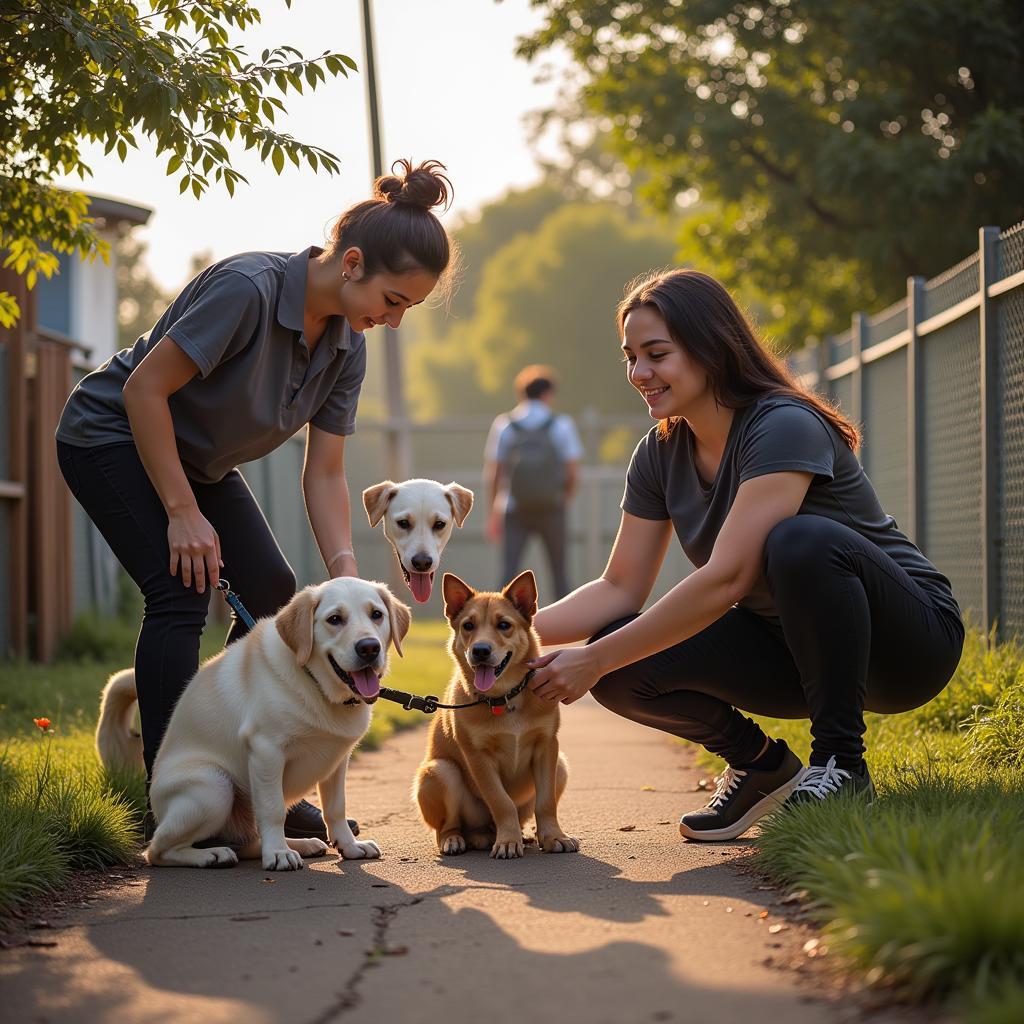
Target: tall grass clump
57 815
923 889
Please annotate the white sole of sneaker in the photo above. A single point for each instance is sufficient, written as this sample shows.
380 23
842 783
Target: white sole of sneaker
765 806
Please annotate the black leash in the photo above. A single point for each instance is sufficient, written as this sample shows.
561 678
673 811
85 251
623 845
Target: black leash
429 704
410 701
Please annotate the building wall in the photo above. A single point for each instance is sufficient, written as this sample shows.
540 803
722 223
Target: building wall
80 302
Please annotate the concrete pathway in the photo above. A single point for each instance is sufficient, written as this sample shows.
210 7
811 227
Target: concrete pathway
639 926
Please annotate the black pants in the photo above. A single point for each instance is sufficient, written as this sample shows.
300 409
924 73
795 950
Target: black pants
111 484
857 633
549 525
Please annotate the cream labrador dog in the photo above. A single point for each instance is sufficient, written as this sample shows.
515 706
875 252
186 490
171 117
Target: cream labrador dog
419 516
263 721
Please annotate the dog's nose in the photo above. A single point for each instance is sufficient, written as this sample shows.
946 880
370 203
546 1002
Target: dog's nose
422 563
481 652
368 649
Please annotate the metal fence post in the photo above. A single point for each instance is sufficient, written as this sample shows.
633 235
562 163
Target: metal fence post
915 391
858 342
824 354
991 588
592 435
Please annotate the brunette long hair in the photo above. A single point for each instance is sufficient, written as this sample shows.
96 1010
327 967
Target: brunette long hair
703 319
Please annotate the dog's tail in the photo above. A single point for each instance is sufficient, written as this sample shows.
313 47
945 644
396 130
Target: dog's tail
117 742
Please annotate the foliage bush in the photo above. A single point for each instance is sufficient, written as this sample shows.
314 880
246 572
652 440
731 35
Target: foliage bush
923 889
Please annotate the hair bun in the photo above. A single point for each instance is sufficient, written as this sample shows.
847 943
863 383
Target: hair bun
423 187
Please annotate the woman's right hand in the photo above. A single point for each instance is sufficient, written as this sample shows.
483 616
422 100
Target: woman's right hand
195 548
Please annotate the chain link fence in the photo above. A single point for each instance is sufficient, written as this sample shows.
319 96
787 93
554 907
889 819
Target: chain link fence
937 383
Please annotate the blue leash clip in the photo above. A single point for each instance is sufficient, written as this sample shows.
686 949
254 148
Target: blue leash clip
235 602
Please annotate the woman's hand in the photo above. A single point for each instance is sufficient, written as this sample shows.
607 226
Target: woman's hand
565 675
195 547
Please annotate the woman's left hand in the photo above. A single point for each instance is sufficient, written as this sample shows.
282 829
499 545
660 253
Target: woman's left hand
565 675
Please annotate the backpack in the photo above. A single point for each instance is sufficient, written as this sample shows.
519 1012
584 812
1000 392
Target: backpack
536 470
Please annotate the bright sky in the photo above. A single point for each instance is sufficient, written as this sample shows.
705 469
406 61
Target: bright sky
451 89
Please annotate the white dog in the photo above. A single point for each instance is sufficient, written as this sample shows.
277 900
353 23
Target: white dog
261 722
420 516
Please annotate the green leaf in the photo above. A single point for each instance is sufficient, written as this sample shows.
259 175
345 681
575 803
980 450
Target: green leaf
278 160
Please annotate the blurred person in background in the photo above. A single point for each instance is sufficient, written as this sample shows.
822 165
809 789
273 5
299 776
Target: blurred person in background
531 471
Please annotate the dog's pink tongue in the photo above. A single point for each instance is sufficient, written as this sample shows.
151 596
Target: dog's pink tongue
484 678
366 682
420 584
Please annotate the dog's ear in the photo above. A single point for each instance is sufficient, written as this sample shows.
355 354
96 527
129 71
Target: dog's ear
461 500
456 594
400 617
522 592
377 498
295 623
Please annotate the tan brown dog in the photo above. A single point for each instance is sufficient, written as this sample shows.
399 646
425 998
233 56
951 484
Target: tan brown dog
491 768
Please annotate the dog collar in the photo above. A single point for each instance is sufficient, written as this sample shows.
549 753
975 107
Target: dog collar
499 705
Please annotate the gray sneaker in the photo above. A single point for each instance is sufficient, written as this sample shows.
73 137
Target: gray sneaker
741 798
821 782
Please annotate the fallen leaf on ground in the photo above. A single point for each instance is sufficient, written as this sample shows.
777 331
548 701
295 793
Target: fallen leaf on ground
763 914
775 929
627 828
647 789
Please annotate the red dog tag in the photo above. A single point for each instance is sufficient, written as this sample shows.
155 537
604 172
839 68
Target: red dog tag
497 709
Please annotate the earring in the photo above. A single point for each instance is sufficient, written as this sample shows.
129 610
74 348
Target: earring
345 276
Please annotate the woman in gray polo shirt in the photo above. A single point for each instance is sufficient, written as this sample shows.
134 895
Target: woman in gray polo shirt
806 600
253 349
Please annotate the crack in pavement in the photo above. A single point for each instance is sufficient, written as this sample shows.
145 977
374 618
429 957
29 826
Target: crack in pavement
442 893
349 997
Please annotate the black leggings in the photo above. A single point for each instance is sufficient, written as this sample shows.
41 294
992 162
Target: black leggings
112 486
857 633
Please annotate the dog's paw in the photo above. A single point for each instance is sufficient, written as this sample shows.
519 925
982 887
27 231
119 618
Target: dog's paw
308 847
507 850
281 860
453 846
361 849
219 857
560 844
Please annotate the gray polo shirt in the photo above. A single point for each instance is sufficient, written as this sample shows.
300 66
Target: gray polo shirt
774 435
240 322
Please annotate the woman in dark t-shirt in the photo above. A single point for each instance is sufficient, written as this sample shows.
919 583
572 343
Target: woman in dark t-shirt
252 350
806 600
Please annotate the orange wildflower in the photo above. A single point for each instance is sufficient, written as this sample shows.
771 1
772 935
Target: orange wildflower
42 723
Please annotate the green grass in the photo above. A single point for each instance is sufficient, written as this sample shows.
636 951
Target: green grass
923 890
60 810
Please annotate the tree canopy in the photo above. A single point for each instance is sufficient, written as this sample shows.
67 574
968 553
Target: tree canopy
547 295
108 71
836 148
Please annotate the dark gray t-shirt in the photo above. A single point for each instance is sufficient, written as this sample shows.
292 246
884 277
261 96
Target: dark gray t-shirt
241 322
775 435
